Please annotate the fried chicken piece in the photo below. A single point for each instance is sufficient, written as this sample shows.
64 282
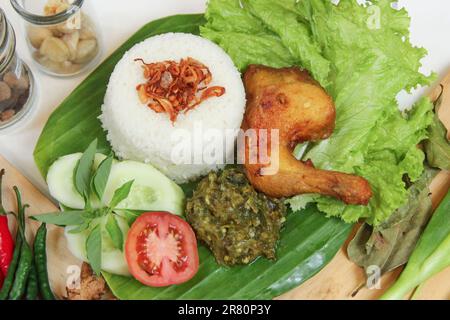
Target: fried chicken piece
290 100
92 287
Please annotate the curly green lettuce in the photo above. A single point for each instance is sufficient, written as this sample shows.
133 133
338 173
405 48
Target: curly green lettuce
363 57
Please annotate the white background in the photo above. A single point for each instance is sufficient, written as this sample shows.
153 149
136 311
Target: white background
119 19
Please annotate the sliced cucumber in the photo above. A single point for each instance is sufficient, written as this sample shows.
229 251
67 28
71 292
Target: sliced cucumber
113 260
60 181
151 190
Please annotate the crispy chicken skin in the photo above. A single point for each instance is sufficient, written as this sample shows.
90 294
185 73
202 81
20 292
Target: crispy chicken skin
290 100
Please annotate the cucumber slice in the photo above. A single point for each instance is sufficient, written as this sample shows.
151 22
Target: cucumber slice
151 189
60 181
113 260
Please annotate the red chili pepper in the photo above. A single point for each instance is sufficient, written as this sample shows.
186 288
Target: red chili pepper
6 245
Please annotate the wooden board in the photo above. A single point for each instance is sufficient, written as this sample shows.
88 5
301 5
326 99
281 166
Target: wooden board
341 279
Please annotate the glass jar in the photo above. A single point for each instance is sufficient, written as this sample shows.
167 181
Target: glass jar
17 87
61 34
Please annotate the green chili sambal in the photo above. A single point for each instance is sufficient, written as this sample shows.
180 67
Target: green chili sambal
236 222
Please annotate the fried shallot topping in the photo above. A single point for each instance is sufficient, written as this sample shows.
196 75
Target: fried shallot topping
175 87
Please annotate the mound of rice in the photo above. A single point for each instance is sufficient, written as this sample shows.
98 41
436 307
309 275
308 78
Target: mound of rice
138 133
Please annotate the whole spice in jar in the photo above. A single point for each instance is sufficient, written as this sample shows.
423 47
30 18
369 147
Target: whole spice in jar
16 81
14 93
67 47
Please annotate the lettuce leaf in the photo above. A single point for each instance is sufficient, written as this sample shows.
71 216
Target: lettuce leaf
281 17
363 57
234 29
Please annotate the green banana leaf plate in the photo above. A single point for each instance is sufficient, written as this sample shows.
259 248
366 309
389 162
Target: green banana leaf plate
308 242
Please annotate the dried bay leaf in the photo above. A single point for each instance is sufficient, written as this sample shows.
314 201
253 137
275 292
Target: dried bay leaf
437 147
390 244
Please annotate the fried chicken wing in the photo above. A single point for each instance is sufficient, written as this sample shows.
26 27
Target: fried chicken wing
291 101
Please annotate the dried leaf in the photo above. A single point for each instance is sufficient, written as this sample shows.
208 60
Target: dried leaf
437 147
390 244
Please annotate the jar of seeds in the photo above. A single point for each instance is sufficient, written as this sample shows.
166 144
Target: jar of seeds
16 81
61 34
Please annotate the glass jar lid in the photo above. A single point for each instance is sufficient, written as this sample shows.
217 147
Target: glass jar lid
42 20
7 42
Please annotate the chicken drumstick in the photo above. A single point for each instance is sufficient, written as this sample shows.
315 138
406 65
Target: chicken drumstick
291 101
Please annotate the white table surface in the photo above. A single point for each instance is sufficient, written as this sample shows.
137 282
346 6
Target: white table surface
119 19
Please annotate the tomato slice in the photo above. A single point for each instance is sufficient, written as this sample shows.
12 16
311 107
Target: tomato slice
161 250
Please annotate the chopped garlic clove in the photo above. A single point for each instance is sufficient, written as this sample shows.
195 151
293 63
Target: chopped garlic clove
86 50
37 35
55 49
72 40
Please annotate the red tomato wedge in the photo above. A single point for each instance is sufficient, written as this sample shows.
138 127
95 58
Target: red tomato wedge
161 250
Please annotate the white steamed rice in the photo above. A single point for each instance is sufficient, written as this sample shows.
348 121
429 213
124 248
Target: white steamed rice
138 133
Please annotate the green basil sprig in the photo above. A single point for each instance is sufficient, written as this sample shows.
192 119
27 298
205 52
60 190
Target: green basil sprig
88 182
100 177
83 173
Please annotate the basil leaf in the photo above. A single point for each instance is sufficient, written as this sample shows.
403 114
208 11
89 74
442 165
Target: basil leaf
94 249
121 194
130 215
65 218
83 171
82 227
89 215
101 177
114 231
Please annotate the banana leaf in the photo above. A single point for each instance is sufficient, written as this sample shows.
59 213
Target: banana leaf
308 241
